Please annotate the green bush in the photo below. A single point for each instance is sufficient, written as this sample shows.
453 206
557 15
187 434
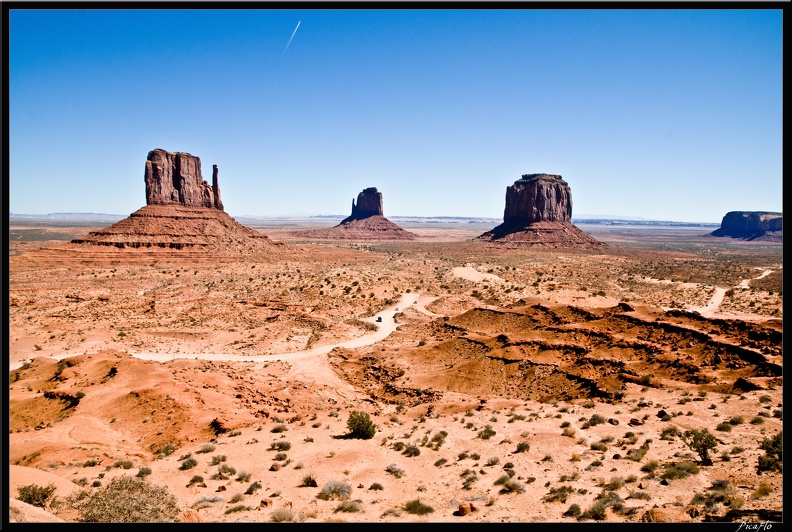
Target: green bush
35 495
113 503
773 448
701 442
360 425
678 470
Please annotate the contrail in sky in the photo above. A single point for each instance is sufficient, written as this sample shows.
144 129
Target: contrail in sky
292 36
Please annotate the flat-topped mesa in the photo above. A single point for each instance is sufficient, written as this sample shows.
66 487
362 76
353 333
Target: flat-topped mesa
176 179
539 213
538 198
751 225
369 203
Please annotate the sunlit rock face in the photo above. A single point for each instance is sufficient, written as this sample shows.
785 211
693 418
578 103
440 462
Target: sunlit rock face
539 213
176 179
538 198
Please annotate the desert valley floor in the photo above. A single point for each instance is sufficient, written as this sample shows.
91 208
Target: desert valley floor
506 384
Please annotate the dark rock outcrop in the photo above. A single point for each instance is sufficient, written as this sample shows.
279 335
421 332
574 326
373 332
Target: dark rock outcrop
369 203
751 225
175 179
538 213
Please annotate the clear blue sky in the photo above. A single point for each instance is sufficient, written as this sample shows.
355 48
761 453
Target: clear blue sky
670 114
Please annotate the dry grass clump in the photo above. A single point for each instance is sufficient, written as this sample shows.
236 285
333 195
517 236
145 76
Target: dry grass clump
349 507
395 470
111 504
335 490
416 507
35 495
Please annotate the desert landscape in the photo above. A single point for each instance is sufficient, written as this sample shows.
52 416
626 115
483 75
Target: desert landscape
518 384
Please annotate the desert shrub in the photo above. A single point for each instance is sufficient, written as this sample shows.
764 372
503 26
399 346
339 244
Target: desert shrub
597 511
349 507
188 464
636 455
206 448
395 470
217 459
438 440
243 476
650 466
440 462
280 446
523 447
773 448
558 494
335 490
513 486
758 420
724 426
762 490
416 507
736 420
253 488
668 433
111 504
237 508
309 481
35 495
765 399
280 457
279 428
639 495
486 433
599 446
123 464
502 480
573 511
360 425
493 461
236 498
282 515
682 469
196 479
399 446
411 450
593 421
614 484
568 432
144 472
701 442
376 487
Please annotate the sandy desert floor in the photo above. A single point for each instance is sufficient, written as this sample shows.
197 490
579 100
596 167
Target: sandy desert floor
522 382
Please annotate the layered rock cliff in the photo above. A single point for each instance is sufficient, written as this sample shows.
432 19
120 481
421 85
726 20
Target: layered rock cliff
538 198
538 213
176 179
751 225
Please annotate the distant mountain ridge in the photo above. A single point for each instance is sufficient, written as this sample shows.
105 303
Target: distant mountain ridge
584 219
